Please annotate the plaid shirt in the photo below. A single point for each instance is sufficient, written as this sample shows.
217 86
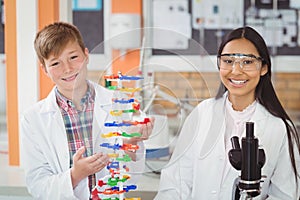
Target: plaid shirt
78 124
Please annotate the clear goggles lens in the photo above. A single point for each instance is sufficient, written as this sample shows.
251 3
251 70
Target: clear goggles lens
247 62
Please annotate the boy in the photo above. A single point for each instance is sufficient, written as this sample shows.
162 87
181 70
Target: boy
59 133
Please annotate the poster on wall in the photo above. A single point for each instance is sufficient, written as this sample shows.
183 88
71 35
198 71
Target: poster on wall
217 14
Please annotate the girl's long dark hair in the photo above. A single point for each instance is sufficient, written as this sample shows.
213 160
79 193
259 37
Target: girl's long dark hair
265 93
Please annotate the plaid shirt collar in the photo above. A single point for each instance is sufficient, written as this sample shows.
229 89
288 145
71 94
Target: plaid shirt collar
65 103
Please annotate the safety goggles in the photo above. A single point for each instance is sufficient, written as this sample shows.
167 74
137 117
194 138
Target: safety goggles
247 62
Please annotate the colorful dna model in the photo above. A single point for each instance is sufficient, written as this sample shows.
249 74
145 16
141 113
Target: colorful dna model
124 105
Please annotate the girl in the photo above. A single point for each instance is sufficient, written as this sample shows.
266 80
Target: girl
199 167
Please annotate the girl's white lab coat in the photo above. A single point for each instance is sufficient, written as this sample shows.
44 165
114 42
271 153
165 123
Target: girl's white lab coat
195 170
45 152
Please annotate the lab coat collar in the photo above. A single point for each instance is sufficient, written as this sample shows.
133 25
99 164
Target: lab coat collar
50 105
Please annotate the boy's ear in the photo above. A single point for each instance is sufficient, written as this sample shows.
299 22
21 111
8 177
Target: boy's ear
44 69
86 52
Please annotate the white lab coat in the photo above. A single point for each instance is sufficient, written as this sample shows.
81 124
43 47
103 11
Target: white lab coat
196 168
45 153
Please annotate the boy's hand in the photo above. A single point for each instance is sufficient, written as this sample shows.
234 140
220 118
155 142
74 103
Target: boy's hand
85 166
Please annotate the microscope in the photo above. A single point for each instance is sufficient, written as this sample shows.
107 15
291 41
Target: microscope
249 159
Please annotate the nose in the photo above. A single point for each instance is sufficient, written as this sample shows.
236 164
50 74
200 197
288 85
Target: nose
236 67
67 66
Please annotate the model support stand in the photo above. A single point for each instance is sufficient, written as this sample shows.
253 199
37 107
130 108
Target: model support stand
124 105
249 159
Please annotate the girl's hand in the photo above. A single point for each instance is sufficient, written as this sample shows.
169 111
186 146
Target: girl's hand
144 129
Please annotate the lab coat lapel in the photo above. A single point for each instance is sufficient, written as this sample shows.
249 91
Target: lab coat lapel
212 153
216 129
58 132
258 118
59 135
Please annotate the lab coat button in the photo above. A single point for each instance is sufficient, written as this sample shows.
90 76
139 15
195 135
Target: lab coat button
214 192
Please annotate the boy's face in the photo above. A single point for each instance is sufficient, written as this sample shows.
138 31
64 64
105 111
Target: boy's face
68 70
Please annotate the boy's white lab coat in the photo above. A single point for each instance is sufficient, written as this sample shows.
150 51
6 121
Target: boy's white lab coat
45 152
195 170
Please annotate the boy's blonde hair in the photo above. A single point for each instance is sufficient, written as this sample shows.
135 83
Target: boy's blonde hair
52 39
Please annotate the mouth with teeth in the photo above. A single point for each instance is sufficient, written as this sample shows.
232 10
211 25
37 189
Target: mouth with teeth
71 78
238 82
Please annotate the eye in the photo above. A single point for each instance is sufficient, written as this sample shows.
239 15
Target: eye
74 57
55 64
248 61
227 60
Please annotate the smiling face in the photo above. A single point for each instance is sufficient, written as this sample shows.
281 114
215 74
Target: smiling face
241 84
68 69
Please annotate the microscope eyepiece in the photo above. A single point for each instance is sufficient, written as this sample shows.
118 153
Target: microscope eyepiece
250 129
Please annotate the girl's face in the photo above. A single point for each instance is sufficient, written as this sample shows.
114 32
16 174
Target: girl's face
68 70
240 71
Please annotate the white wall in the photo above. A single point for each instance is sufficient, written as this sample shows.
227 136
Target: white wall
26 58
